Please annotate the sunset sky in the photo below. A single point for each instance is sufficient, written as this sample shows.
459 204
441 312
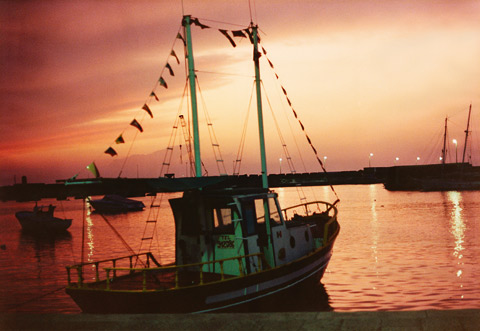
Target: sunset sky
364 77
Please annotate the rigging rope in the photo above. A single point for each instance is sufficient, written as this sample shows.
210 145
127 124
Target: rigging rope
238 159
301 124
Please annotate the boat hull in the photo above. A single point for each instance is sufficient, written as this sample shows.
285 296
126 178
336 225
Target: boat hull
112 204
229 295
32 222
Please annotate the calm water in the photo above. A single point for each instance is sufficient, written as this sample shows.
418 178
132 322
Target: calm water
395 251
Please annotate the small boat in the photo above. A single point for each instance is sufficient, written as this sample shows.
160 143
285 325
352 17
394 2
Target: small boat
41 220
234 247
113 203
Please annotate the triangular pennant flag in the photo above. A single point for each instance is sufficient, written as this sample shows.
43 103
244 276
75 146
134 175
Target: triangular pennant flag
289 103
175 55
119 140
284 91
294 113
225 33
163 82
239 33
264 51
111 151
93 169
197 23
270 63
170 69
154 95
256 55
136 124
250 34
147 109
179 36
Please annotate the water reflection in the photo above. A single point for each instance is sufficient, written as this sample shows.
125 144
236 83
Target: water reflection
457 230
311 298
374 222
89 229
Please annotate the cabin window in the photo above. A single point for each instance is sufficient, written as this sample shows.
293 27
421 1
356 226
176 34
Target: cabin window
222 220
274 215
260 211
249 218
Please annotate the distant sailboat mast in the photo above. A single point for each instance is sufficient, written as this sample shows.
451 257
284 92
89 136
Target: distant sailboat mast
444 150
466 134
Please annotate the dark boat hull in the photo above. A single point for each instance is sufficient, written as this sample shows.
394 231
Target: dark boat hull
32 222
228 295
112 204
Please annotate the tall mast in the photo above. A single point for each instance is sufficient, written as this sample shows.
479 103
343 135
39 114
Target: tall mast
256 58
444 150
466 134
193 95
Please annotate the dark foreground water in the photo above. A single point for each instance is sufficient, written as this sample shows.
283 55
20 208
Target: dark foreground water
395 251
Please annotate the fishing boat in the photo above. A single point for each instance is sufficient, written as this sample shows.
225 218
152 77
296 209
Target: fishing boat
113 203
41 220
233 246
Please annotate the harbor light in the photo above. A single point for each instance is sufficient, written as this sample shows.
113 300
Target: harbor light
280 160
369 160
456 154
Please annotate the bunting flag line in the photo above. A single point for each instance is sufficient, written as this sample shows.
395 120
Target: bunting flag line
110 151
197 23
225 33
295 114
175 55
147 109
119 140
170 69
179 36
163 82
136 124
239 33
93 169
154 95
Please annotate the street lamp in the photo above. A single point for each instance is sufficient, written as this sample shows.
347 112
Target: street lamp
369 158
324 160
418 159
280 160
396 159
455 142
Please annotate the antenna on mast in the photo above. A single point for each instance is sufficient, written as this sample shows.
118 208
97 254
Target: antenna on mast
250 9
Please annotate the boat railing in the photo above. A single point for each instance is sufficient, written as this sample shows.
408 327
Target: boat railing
83 271
176 276
309 208
312 209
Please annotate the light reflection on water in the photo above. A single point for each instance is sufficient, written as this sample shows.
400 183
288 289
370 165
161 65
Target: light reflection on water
395 251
